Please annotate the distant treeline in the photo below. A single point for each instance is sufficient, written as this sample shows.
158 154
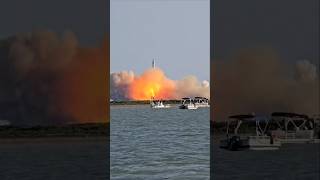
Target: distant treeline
71 130
174 101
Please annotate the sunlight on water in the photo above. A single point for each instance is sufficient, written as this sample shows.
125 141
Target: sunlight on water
159 143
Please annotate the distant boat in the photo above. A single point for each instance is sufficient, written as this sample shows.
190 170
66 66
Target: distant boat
188 103
201 102
158 104
5 123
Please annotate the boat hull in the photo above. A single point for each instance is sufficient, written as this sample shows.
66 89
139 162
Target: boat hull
202 105
298 137
160 107
188 107
263 143
299 141
236 143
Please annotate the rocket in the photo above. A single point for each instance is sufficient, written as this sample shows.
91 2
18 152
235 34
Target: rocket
153 63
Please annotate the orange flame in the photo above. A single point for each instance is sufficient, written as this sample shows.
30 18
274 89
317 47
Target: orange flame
82 89
152 84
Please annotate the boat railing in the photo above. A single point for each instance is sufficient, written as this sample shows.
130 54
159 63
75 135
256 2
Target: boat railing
301 134
259 137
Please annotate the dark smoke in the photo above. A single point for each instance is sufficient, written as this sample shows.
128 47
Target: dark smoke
32 65
257 80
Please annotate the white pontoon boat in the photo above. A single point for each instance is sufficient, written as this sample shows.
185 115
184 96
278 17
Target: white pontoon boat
188 103
242 135
201 102
294 128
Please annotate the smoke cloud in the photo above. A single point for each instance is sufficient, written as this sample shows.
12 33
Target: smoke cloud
48 79
153 82
256 80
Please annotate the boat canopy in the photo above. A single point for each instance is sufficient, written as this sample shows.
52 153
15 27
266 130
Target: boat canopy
242 116
200 98
250 117
289 115
186 98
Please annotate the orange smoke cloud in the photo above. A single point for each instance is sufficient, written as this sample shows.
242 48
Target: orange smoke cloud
54 80
83 91
152 83
83 87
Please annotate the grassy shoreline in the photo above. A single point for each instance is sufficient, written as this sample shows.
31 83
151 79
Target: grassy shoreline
71 130
89 130
142 102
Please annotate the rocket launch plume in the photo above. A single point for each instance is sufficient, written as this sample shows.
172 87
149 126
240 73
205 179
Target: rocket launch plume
46 79
256 80
154 83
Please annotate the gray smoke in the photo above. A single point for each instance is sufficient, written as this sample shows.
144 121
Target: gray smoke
33 65
119 84
256 80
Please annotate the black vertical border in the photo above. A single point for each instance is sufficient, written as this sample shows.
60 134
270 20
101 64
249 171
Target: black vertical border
108 84
211 85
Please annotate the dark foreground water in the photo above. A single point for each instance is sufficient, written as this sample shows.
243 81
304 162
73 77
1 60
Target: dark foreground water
154 144
290 162
54 159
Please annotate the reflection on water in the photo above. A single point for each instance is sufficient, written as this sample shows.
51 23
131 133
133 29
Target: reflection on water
291 161
54 159
159 143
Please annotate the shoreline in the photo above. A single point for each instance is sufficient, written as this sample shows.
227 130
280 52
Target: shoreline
53 139
142 102
90 130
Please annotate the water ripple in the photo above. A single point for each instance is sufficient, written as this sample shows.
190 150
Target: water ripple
159 144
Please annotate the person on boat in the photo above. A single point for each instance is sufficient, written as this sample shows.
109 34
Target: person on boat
271 137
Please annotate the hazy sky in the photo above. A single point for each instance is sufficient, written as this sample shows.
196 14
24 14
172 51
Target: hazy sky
175 32
291 27
89 20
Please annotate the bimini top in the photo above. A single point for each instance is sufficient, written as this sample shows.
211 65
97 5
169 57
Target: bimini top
186 98
290 115
200 98
242 116
250 118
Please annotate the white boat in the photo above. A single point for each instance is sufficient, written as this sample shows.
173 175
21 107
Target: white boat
157 104
201 102
5 123
187 103
295 128
239 137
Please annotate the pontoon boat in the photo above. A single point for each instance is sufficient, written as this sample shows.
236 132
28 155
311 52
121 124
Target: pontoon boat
294 128
242 135
201 102
188 103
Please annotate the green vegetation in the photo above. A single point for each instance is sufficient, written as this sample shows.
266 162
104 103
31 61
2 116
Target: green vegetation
173 101
71 130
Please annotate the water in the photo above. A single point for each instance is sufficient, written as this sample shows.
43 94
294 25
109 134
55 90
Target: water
159 144
291 161
54 159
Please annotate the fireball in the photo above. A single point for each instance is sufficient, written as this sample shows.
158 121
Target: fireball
152 84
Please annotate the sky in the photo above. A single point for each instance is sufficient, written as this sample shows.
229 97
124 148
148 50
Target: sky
89 20
176 33
291 27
